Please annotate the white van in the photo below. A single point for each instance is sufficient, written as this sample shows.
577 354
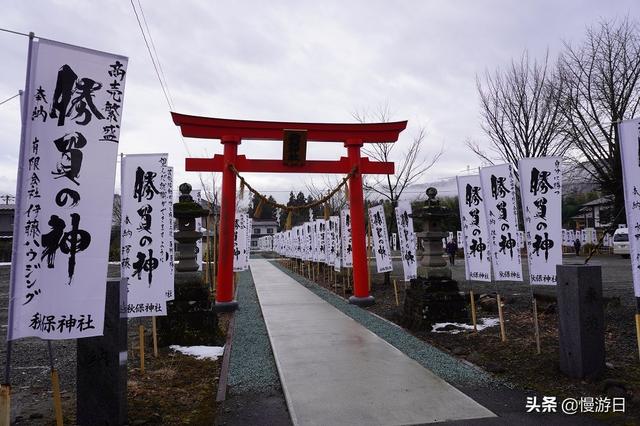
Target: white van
621 242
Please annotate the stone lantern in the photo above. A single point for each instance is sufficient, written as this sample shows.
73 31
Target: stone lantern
190 318
433 296
429 253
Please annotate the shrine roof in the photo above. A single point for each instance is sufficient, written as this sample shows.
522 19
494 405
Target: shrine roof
216 128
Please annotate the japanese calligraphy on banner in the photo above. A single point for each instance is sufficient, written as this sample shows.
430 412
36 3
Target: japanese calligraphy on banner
197 197
240 248
407 240
145 256
499 194
64 197
629 131
541 193
337 259
347 248
249 228
167 234
475 235
380 237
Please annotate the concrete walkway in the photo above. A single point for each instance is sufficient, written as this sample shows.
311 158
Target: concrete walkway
336 372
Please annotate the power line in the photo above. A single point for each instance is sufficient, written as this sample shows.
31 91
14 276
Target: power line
12 97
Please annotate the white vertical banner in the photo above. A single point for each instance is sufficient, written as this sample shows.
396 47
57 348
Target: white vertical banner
248 232
475 234
407 239
322 243
337 258
167 233
345 230
144 257
629 132
459 238
64 196
330 239
380 237
499 194
239 242
541 193
197 197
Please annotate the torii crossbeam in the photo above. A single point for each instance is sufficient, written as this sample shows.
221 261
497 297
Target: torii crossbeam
232 132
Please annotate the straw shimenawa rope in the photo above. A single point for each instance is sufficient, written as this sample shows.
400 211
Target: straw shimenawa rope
264 200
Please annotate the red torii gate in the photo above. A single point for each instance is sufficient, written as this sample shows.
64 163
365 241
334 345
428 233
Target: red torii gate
232 132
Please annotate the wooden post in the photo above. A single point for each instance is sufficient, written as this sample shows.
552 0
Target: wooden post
57 402
154 336
638 330
395 290
535 325
473 311
5 405
141 332
503 335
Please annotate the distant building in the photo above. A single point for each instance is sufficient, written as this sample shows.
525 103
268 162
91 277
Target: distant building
261 228
7 213
594 214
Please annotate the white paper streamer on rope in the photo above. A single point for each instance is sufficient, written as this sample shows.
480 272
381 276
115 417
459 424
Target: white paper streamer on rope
499 194
475 234
407 239
380 238
145 255
629 132
541 193
71 123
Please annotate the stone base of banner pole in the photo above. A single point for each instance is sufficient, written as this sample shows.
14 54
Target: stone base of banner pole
102 365
581 320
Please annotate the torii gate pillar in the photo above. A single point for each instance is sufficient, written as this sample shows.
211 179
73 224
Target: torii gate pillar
224 283
361 294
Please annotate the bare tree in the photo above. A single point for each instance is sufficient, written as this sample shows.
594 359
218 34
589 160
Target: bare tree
411 165
319 190
601 77
520 112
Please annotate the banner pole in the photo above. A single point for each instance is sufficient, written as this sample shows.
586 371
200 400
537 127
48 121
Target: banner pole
395 290
473 310
141 334
638 330
5 390
55 385
503 335
535 325
154 335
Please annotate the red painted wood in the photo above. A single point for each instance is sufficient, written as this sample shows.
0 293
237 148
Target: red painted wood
242 164
216 128
224 283
356 208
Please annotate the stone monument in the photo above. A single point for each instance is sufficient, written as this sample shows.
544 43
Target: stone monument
190 318
433 296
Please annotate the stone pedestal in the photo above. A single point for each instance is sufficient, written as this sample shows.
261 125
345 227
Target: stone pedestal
581 320
429 301
431 264
102 365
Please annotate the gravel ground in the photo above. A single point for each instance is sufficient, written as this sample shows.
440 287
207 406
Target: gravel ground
252 367
443 365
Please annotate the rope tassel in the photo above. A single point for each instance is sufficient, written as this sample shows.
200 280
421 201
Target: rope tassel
258 211
289 219
327 211
242 189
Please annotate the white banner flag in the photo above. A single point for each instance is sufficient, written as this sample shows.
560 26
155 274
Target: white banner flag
170 294
475 235
64 195
239 242
144 257
248 232
197 197
345 230
407 240
380 237
499 194
630 152
337 259
541 193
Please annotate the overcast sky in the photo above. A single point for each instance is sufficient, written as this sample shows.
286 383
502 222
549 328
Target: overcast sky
297 61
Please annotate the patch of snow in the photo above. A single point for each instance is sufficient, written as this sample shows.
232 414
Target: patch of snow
200 352
460 327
